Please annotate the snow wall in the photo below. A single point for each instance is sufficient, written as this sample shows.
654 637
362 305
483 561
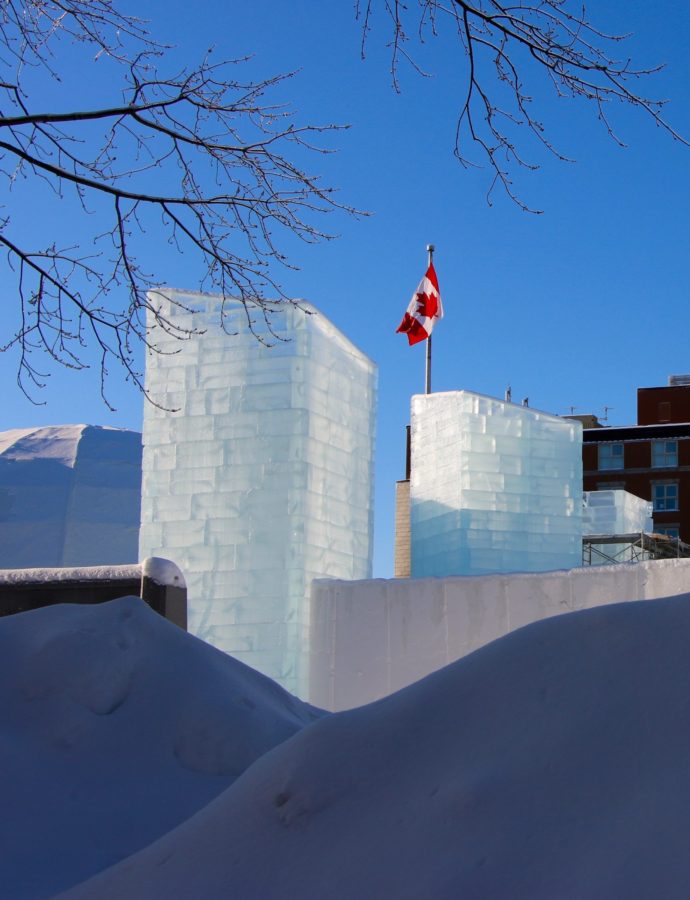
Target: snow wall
370 638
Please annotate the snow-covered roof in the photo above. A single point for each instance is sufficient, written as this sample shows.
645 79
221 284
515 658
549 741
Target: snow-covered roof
56 442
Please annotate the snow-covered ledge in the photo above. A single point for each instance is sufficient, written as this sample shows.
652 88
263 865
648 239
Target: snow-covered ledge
77 573
370 638
159 582
162 571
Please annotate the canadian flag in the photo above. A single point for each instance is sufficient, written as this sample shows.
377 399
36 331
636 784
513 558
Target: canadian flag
424 310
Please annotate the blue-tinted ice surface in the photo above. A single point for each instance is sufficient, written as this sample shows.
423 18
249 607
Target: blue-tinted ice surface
615 512
258 471
494 487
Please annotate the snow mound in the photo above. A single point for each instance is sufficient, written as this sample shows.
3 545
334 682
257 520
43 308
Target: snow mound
552 763
116 726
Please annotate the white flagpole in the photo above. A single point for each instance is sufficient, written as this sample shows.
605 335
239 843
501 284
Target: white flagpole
427 379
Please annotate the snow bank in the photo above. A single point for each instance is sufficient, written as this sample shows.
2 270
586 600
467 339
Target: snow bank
116 726
552 763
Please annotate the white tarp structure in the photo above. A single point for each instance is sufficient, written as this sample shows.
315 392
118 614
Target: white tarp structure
258 471
69 496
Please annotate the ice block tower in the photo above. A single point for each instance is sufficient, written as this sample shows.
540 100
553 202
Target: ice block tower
615 512
494 487
257 471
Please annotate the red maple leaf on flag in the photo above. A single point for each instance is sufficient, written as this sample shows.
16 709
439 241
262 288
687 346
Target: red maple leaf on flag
427 305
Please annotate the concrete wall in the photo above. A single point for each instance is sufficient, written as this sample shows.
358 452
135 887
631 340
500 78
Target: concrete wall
370 638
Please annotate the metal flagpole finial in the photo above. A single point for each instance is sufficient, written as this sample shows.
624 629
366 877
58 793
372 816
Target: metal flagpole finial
430 250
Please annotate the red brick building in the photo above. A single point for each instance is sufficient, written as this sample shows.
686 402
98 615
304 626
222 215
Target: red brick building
650 459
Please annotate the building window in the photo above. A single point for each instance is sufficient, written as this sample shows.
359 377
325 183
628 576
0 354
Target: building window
669 530
610 456
664 454
665 496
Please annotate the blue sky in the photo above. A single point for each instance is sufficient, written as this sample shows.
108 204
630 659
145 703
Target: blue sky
574 308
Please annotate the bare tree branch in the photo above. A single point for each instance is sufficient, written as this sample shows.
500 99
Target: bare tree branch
504 45
201 153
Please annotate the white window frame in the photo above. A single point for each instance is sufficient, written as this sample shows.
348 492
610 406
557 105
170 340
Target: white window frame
610 461
661 457
660 503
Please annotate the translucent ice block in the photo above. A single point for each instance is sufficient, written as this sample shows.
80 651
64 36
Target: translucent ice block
615 512
269 462
494 487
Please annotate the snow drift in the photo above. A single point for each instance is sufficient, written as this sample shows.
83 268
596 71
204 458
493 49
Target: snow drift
115 727
553 763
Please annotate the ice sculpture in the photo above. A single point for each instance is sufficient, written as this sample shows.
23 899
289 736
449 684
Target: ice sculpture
615 512
258 471
69 496
494 487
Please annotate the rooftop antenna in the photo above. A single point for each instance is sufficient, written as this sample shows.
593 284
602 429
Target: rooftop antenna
508 395
525 401
572 410
605 417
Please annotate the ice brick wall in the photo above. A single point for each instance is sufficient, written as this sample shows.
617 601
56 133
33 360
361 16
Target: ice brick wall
258 472
494 487
615 512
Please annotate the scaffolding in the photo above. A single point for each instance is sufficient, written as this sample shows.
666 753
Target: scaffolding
605 549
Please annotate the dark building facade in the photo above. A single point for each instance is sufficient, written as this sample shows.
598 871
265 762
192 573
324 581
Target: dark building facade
650 459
